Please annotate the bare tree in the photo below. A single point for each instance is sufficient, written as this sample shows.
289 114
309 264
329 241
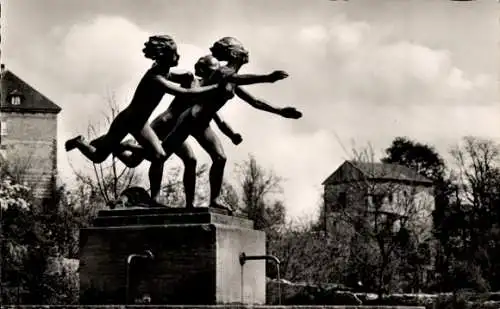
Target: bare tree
478 171
475 224
258 187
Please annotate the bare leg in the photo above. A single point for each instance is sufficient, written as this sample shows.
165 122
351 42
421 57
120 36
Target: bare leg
171 143
99 149
152 146
90 150
187 156
131 155
211 143
162 126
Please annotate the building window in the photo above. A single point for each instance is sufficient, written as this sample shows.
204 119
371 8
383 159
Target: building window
342 199
378 199
393 197
15 100
15 97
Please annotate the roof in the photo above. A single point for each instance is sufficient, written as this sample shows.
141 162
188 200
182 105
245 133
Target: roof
356 170
32 100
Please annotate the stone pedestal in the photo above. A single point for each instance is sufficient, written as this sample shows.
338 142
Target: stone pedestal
195 258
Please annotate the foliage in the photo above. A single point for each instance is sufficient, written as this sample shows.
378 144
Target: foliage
308 255
259 189
33 233
420 157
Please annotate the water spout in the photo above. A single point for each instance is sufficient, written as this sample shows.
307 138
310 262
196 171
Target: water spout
244 258
147 255
272 258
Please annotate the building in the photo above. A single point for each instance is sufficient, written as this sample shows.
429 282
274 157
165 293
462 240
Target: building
28 133
392 192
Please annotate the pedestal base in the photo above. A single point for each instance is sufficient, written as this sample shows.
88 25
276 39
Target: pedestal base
195 259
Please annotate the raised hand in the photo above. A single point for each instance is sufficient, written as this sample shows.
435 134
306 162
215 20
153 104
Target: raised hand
236 139
277 75
290 112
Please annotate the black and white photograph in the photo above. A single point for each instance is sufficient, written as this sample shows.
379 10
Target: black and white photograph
243 153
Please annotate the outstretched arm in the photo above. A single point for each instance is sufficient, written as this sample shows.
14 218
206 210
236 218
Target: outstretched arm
180 77
227 130
254 102
287 112
174 89
249 79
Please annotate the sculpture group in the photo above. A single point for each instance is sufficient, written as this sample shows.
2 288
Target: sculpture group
197 99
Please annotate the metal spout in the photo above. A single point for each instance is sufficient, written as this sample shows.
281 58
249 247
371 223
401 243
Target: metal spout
147 255
244 258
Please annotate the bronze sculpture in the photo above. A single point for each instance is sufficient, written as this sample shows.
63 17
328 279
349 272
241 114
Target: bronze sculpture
196 103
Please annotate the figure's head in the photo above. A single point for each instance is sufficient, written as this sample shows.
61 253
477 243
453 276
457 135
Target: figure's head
230 49
162 49
206 66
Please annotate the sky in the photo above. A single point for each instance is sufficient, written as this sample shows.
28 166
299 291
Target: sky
361 71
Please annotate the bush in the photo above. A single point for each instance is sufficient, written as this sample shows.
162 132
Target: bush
35 234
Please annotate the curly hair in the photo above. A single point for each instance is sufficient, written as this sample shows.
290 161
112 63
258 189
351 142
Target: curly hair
229 48
159 46
204 62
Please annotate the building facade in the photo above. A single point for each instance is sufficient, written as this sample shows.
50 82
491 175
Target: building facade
28 134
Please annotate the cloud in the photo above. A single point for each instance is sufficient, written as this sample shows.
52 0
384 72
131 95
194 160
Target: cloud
304 161
367 66
105 51
313 34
